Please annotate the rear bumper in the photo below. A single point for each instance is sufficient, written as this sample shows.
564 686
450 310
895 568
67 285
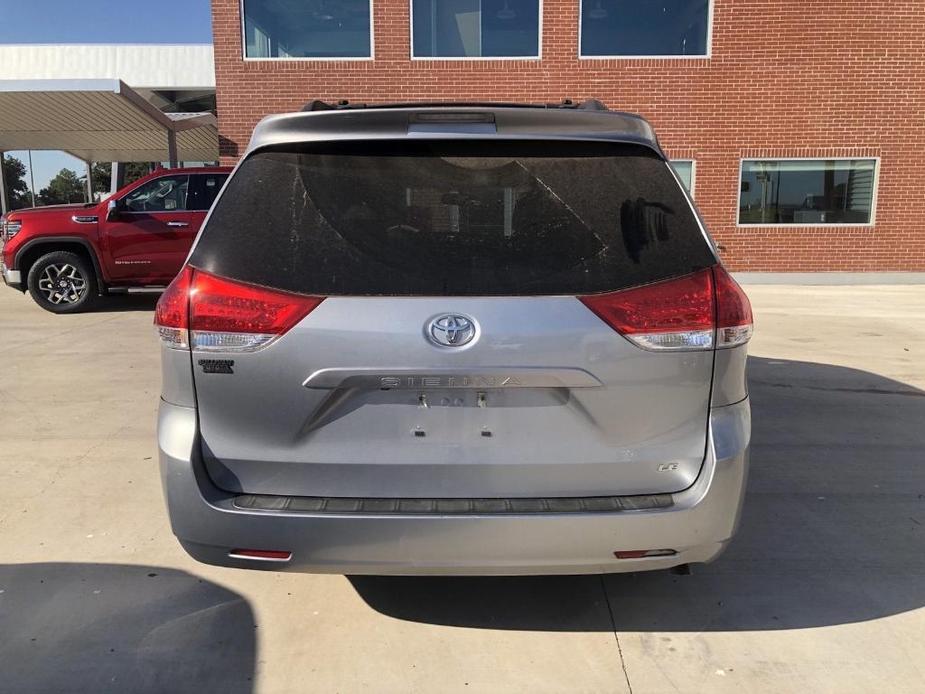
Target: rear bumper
698 525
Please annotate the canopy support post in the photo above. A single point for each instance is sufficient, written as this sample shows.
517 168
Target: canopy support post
89 180
117 176
4 206
172 148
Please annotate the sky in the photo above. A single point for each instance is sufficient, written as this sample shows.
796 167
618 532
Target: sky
98 21
105 21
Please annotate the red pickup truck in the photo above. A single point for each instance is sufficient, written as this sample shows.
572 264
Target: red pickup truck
67 255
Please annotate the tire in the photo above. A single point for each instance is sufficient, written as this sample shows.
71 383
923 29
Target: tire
62 282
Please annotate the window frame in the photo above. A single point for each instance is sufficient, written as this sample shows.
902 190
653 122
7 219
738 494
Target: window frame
537 57
327 59
693 163
700 56
766 225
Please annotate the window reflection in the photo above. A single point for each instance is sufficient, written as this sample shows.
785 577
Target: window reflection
814 191
644 27
475 28
307 29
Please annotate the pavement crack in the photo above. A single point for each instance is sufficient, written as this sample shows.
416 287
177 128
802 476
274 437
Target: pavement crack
613 627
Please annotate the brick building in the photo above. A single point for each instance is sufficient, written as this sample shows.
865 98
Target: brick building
800 123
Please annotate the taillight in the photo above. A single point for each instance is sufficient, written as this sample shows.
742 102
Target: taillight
694 312
675 314
734 323
172 313
229 316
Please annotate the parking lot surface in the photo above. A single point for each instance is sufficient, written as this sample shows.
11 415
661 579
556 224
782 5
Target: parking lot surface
823 589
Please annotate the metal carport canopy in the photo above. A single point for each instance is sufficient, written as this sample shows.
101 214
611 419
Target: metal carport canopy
100 120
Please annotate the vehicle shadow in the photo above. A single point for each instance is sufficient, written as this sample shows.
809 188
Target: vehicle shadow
106 627
118 303
833 529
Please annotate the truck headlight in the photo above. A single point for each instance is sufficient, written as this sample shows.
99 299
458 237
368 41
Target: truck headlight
10 229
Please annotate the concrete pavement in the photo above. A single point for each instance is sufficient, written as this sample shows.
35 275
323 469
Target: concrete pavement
824 589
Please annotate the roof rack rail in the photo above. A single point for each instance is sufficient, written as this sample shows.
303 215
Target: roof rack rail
586 105
343 104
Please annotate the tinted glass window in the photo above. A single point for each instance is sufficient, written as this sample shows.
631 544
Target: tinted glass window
203 189
644 27
307 29
164 194
459 218
811 191
476 28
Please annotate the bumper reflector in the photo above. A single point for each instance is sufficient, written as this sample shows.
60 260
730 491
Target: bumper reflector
642 553
261 554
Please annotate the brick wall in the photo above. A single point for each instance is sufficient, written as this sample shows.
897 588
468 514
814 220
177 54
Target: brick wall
787 78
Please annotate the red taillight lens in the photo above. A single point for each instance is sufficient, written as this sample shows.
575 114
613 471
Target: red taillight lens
675 314
734 322
224 315
220 304
232 316
172 313
679 314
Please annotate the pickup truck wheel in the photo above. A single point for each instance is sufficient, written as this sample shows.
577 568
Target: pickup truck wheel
62 282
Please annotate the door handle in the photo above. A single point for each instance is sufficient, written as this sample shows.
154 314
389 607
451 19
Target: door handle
178 224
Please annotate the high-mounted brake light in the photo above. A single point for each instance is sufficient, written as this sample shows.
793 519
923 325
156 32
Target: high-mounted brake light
693 312
222 315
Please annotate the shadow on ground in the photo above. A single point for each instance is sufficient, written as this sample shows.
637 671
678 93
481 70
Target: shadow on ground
833 529
120 303
106 627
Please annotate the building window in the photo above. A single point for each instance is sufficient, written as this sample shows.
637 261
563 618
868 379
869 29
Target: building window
807 191
685 170
307 29
475 28
633 28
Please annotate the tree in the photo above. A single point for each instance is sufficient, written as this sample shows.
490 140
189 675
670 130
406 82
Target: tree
65 187
101 171
14 176
102 174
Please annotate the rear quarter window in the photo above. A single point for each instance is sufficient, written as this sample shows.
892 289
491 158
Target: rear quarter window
461 218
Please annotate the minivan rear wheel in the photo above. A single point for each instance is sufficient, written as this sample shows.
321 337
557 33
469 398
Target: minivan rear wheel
62 282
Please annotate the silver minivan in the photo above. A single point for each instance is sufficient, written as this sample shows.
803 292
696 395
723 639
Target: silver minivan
454 339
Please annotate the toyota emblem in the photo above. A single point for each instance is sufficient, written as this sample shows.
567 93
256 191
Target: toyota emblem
451 330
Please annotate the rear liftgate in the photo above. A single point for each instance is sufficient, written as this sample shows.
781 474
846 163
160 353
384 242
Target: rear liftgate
514 404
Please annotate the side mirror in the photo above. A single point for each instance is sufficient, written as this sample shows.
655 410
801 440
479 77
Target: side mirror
112 210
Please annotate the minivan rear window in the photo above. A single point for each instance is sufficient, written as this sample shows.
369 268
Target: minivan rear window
452 218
